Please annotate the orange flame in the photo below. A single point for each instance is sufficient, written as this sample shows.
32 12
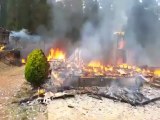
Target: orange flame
97 68
109 68
95 64
23 61
2 47
121 44
125 66
157 72
56 54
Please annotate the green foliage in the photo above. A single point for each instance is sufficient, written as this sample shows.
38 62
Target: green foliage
3 12
28 14
68 21
37 68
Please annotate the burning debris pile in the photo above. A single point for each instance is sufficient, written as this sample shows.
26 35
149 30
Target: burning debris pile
123 82
119 82
95 68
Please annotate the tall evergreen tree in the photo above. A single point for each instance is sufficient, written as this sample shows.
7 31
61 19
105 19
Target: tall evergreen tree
39 14
3 12
12 16
28 14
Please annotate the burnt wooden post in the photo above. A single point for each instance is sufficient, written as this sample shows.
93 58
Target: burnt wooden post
120 48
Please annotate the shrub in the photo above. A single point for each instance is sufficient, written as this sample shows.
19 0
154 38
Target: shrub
37 68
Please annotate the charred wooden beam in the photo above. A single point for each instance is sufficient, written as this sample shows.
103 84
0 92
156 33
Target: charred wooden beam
133 103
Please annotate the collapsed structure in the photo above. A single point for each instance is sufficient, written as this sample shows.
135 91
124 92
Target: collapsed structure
8 54
120 82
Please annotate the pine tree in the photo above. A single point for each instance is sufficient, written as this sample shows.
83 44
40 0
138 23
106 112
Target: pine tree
3 12
28 14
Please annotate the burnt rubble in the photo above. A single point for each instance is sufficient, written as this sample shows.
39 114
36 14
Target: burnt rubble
68 79
134 98
124 89
128 90
139 96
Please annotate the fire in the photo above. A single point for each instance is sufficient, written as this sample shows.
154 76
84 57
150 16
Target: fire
56 54
157 72
109 68
53 54
2 47
23 61
138 69
95 64
124 66
97 68
121 44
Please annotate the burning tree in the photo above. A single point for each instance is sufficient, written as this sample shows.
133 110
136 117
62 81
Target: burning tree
37 68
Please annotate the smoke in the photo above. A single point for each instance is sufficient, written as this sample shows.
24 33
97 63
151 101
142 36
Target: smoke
23 35
98 40
97 20
142 33
67 17
138 19
25 42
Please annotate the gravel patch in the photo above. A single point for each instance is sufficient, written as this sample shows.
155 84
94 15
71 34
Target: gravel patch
83 107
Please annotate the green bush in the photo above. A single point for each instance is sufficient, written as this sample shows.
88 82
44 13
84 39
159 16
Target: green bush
37 68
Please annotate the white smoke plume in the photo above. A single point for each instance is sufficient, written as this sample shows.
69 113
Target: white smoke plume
98 39
25 42
114 16
24 35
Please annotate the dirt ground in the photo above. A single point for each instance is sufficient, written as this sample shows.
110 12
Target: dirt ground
11 79
87 108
